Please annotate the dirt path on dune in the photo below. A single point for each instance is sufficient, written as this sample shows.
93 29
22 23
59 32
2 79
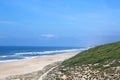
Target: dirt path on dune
45 74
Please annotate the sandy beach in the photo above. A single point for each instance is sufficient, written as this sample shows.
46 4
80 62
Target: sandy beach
30 65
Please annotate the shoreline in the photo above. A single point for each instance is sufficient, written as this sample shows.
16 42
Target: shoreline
29 58
31 65
41 54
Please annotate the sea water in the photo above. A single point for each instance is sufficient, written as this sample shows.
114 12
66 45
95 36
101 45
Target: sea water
13 53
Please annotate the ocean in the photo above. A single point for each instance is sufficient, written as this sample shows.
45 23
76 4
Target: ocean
13 53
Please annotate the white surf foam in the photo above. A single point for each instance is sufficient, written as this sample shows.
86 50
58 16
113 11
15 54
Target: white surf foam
49 52
38 54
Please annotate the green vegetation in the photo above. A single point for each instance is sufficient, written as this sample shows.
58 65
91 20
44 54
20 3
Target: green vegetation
100 54
101 62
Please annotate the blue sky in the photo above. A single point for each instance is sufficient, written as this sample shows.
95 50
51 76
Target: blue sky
59 22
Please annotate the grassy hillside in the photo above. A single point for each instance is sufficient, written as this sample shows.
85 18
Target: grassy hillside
99 54
99 63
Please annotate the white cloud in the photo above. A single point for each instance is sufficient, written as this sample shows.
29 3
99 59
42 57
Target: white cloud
48 36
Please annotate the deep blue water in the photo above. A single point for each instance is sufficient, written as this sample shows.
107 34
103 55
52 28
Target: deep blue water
11 53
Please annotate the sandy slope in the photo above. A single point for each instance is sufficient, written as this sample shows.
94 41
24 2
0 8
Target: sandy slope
31 65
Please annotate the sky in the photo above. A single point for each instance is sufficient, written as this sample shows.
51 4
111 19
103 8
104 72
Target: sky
77 23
